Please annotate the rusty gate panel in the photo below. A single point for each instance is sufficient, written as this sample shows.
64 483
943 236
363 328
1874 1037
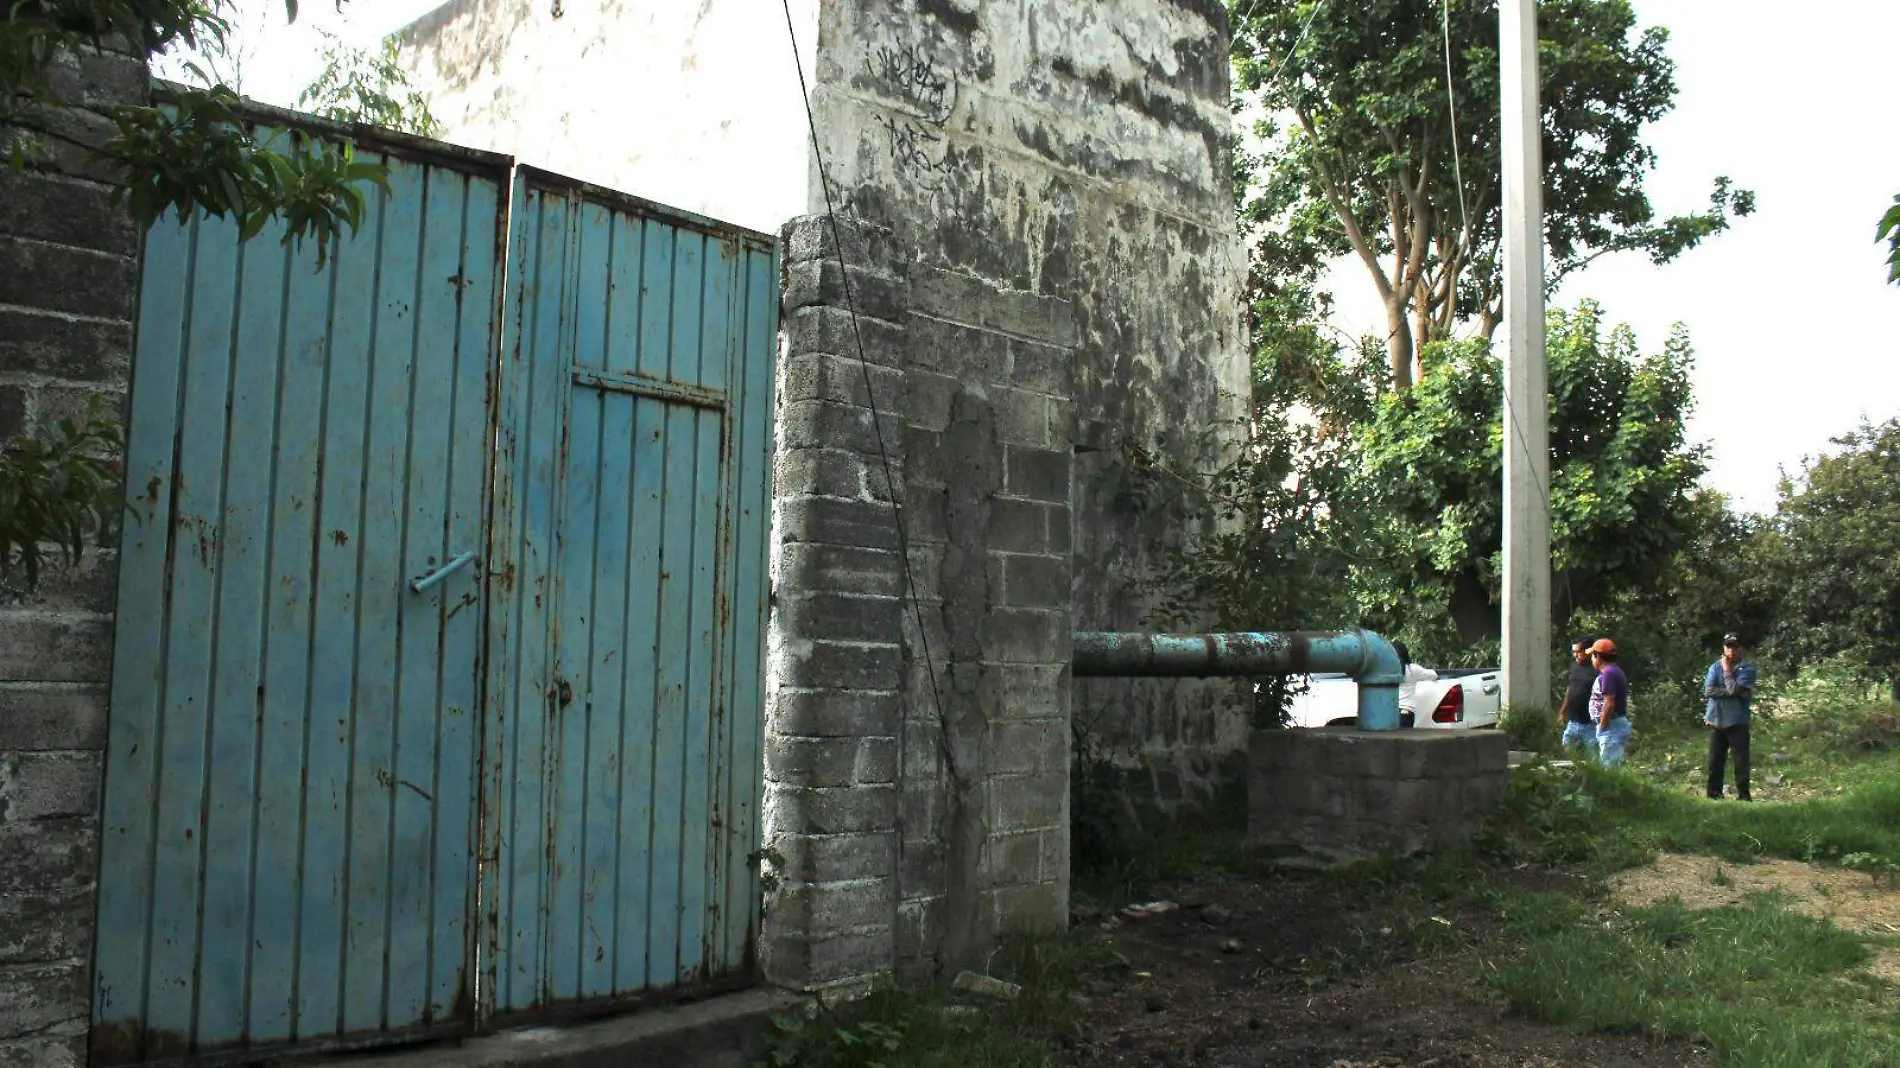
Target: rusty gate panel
290 793
625 705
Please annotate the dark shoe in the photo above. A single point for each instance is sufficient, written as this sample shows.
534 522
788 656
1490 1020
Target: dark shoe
1744 797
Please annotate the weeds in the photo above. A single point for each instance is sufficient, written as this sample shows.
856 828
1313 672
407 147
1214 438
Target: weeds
925 1025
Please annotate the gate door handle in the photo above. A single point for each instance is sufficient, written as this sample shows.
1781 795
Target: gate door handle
435 577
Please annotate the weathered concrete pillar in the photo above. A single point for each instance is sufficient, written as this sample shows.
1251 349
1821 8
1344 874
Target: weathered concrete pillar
917 769
69 274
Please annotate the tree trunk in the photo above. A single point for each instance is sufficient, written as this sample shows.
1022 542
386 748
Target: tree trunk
1398 342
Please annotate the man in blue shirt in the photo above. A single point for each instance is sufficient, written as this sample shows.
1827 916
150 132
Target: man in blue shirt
1729 685
1609 704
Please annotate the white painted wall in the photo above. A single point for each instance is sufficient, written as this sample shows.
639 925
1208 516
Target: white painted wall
691 103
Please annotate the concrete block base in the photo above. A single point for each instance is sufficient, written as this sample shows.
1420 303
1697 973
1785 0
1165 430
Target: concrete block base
1326 797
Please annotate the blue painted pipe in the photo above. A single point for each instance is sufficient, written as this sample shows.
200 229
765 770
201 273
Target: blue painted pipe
1365 656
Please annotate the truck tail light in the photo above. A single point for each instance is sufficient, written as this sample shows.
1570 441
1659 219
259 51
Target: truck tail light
1451 707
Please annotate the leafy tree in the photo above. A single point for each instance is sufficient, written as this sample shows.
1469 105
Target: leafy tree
1835 556
1427 488
1889 232
188 151
57 489
371 88
1367 153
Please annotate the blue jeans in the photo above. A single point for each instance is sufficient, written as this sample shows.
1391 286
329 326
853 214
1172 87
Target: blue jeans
1612 738
1580 735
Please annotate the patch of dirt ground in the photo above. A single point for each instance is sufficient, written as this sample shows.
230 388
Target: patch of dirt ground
1849 898
1294 972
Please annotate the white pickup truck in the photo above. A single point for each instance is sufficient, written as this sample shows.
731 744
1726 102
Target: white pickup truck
1460 699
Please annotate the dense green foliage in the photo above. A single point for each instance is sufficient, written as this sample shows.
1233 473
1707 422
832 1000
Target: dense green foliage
1889 231
1428 480
370 88
1379 139
1832 556
58 489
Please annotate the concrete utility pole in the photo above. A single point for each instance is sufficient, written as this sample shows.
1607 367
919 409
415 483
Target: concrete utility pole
1526 623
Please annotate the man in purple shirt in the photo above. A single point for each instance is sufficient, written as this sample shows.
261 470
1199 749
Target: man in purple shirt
1609 704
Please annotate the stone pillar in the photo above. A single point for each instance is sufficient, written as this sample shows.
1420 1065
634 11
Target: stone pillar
917 767
69 276
835 650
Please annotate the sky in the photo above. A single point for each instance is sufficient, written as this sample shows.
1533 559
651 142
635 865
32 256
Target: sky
1796 332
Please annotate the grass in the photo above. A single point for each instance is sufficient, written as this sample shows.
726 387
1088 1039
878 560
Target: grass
1762 986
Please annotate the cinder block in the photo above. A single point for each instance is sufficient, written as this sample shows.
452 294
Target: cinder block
43 925
828 425
76 350
1014 859
1026 636
926 517
70 150
62 279
1022 418
100 80
931 400
824 376
821 568
819 664
1038 474
921 869
801 962
950 295
965 352
840 616
836 521
1043 368
52 717
1022 748
832 330
90 587
816 762
1032 581
64 211
1040 909
828 713
50 785
1018 526
1031 315
43 999
923 759
54 647
846 810
1025 691
875 294
919 929
921 813
40 1052
1026 802
822 909
866 245
1055 853
836 857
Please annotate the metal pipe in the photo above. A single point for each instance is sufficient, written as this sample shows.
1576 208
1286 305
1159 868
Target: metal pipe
1367 658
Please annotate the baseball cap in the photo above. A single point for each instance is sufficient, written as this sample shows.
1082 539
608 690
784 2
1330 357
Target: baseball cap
1604 645
1731 638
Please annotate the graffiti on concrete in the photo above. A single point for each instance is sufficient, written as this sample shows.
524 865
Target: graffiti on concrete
916 140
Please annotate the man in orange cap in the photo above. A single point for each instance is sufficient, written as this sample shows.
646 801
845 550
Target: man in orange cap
1609 704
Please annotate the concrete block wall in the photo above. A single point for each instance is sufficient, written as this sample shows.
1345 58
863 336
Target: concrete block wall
1336 796
69 269
917 786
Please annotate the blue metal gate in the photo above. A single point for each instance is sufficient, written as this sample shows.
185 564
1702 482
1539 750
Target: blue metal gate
630 522
437 688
